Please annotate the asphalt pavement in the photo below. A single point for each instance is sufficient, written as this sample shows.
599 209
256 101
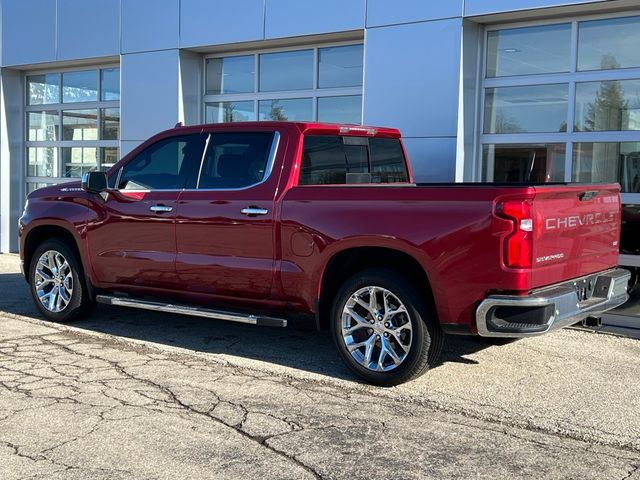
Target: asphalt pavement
129 394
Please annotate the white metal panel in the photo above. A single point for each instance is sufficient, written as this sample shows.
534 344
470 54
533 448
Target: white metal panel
127 146
88 29
432 159
12 168
149 98
213 22
412 73
288 18
483 7
28 32
384 12
190 95
150 25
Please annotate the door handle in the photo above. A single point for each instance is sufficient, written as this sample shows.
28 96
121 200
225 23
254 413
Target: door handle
160 208
253 211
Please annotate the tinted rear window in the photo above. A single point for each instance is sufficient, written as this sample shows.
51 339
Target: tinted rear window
335 160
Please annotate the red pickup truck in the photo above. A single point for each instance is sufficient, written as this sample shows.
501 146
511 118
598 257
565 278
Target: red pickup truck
269 223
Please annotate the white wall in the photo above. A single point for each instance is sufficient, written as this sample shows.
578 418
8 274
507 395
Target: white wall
290 18
12 168
412 83
149 93
150 25
213 22
87 29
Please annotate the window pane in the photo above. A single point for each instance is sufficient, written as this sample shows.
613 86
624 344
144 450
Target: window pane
538 163
323 161
608 162
610 105
235 160
42 162
221 112
78 160
43 89
168 164
108 157
346 109
608 44
79 125
80 86
230 75
296 109
340 66
286 71
110 81
387 161
42 126
541 108
531 50
109 123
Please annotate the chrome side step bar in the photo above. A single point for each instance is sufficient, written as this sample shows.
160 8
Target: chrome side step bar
193 311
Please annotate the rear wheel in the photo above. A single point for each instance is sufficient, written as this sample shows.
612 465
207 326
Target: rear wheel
383 329
57 282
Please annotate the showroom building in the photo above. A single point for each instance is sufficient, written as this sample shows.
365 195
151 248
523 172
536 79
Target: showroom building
482 90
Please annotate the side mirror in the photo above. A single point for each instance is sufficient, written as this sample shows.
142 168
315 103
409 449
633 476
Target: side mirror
94 182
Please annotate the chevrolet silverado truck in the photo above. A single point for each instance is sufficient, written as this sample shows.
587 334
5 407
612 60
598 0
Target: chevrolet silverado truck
270 223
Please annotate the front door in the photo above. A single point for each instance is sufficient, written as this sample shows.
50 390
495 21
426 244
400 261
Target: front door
225 225
132 238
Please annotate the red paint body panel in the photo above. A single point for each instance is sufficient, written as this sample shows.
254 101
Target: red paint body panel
128 243
206 251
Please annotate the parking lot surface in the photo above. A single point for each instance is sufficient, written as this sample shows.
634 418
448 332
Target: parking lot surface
137 395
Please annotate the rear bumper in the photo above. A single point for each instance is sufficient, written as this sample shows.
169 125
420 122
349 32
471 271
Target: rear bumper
551 307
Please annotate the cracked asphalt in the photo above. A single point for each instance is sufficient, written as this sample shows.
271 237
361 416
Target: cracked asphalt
129 394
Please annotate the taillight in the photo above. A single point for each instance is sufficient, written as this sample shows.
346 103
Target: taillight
518 245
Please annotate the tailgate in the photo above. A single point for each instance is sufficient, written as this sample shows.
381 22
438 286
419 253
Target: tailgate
576 231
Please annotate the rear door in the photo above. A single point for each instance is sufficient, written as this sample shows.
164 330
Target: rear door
576 232
225 222
132 239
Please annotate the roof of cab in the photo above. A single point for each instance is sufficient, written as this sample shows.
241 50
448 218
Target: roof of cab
310 128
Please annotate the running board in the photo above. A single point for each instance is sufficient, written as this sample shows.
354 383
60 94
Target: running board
193 311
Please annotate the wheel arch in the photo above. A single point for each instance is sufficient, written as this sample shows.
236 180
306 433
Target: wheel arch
40 233
349 261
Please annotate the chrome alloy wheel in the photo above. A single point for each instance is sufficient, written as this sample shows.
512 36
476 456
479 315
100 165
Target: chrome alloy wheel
53 281
376 329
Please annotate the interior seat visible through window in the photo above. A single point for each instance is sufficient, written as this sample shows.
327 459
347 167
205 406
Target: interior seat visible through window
235 160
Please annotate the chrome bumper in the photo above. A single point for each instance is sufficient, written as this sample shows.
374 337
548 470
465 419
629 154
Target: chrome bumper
551 308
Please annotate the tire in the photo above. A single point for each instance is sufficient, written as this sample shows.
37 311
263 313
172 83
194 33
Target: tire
59 267
414 335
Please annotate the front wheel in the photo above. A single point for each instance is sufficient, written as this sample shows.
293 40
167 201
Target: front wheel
384 329
57 282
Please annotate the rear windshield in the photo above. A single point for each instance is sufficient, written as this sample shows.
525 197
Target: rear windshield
336 160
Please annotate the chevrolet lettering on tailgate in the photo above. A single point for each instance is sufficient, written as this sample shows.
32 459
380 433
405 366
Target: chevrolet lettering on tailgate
575 221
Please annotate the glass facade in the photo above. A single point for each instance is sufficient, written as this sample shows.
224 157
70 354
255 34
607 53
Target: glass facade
72 123
322 83
561 102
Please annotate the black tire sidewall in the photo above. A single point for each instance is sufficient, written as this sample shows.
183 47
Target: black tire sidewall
79 301
419 313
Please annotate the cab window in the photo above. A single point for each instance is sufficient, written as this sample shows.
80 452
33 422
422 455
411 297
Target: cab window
169 164
235 160
338 160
